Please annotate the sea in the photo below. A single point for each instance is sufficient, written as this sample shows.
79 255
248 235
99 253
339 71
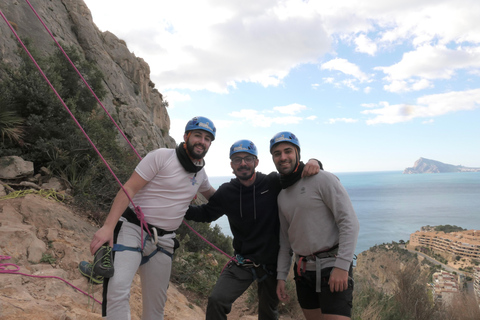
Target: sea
391 205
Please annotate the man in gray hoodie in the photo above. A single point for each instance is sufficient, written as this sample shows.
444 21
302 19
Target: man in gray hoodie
319 225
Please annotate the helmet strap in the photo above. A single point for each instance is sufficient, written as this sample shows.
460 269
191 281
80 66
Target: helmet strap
297 159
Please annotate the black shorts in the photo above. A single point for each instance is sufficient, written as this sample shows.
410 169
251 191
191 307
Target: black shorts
338 303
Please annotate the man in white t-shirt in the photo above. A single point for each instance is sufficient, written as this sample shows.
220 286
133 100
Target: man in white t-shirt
162 185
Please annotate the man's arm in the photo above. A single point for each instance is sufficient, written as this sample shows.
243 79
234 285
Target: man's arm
105 233
208 212
207 194
337 199
312 167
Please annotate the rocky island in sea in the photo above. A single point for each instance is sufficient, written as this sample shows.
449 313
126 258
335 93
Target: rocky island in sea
423 165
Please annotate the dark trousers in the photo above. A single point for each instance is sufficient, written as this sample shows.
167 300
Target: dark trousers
232 283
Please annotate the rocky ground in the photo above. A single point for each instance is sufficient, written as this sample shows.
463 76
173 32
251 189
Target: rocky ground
46 238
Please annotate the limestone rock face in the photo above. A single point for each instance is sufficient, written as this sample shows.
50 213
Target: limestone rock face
45 238
131 95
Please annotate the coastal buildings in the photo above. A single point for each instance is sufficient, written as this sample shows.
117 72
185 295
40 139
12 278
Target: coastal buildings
445 286
462 243
459 245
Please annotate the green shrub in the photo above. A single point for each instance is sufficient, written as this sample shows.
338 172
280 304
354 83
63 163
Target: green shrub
51 138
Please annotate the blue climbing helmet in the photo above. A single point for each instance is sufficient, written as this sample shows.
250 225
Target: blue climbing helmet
284 136
243 146
201 123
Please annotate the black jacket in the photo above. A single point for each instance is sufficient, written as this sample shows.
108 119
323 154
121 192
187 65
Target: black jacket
252 213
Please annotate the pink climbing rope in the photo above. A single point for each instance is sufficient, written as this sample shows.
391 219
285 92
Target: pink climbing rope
83 79
4 268
106 111
208 242
137 209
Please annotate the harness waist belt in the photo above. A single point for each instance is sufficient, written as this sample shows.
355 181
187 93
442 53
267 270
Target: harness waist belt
317 257
131 217
332 252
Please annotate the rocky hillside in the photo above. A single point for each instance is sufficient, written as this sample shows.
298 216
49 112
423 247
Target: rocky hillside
46 238
423 165
131 95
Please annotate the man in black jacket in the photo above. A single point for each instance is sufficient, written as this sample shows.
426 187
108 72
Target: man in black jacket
250 203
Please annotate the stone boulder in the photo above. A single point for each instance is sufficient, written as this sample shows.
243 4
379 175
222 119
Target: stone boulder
13 167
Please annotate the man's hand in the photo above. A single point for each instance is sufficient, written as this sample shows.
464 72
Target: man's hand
311 168
281 291
103 235
338 280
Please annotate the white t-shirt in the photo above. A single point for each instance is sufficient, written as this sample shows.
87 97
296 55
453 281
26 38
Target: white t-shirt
165 198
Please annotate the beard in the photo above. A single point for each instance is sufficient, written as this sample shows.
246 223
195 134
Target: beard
191 151
244 175
285 170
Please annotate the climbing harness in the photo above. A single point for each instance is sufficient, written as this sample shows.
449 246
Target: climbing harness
147 257
254 268
155 232
131 217
317 257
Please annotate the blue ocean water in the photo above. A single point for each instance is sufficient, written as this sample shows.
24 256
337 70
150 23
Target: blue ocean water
391 205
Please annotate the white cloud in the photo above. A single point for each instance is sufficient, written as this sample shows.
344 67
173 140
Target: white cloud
174 96
399 86
345 120
346 67
258 119
365 45
217 44
311 118
291 109
427 107
368 105
433 62
349 83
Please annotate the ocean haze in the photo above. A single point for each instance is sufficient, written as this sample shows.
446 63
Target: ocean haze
391 205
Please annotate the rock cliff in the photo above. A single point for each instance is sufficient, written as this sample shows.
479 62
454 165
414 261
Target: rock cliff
131 95
423 165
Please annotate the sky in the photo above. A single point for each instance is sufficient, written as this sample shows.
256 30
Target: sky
365 85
